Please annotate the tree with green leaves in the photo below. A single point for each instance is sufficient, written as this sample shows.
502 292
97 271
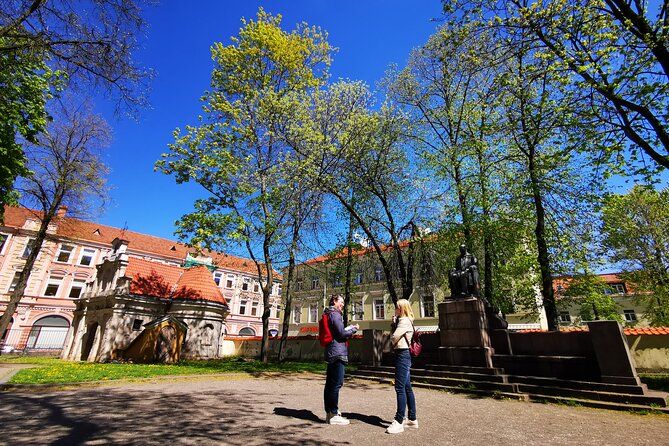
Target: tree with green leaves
236 152
46 46
24 91
635 229
66 170
588 292
614 51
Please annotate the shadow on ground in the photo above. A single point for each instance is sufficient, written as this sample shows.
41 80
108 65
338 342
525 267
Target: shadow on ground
145 417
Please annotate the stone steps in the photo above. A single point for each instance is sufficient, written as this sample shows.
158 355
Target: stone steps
529 388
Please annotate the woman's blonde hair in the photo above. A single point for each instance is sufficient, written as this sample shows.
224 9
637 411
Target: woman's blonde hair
405 308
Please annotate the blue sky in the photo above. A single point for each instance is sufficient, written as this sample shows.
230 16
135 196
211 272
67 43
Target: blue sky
370 36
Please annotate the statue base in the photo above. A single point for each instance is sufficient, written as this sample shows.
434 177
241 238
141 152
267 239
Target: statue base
463 331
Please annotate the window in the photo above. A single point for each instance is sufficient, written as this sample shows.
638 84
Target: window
64 253
52 286
297 314
357 313
230 281
565 317
242 307
615 288
3 242
379 309
336 280
245 284
247 331
630 315
378 274
87 255
217 277
298 284
256 287
358 278
15 282
314 282
28 249
427 309
254 308
76 288
137 324
313 313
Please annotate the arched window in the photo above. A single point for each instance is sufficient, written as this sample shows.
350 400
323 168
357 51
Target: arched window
48 333
247 331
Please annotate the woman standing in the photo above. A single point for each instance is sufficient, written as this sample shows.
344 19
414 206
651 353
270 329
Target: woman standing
401 339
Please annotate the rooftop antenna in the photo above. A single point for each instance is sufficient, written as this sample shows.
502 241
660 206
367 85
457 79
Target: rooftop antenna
125 228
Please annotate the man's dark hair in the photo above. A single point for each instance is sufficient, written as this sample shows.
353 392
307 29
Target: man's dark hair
334 298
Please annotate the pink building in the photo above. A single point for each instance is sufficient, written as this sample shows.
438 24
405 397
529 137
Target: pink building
67 263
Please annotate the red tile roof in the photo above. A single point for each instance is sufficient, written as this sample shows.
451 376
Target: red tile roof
168 281
629 331
354 253
76 229
610 278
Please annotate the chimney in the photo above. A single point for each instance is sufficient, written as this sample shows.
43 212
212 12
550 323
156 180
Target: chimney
119 245
62 210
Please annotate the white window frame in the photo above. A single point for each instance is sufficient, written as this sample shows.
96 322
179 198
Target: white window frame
61 250
315 282
77 282
25 255
378 274
313 313
246 283
297 314
12 285
564 320
242 305
255 308
218 275
422 306
3 248
359 278
633 317
53 280
357 315
256 286
230 278
383 307
82 254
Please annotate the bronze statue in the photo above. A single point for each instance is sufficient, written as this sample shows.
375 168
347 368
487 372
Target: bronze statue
464 278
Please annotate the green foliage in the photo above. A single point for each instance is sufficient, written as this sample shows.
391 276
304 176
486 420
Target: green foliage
635 227
589 292
24 90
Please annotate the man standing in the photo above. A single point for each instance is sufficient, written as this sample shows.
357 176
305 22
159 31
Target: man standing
336 355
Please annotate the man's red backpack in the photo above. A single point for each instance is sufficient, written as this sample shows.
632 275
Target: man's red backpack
324 334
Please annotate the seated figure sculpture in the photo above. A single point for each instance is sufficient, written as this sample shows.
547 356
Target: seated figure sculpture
463 280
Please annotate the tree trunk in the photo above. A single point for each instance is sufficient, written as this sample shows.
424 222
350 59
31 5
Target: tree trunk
21 286
542 248
349 264
266 291
289 291
462 201
487 236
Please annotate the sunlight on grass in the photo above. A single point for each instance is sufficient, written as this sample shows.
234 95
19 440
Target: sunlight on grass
55 371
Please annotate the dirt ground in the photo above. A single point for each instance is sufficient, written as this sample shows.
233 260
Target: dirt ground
269 410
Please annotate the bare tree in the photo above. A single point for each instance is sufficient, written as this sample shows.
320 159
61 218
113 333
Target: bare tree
66 171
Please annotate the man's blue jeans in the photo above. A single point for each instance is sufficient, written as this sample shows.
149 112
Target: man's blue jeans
333 381
403 385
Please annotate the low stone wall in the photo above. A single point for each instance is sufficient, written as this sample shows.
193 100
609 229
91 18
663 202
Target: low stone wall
297 348
650 352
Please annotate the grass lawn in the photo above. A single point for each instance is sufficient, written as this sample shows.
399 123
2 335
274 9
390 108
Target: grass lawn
56 371
656 381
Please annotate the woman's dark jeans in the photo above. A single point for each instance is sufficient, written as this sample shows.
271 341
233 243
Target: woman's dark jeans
403 385
333 381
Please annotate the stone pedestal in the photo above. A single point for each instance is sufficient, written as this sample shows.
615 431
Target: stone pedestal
463 331
614 359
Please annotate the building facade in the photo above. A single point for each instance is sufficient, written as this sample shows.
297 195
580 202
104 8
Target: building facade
67 263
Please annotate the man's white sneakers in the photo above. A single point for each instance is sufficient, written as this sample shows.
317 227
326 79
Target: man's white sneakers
412 424
395 428
336 419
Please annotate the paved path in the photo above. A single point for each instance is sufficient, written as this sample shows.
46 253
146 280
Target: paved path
270 410
8 370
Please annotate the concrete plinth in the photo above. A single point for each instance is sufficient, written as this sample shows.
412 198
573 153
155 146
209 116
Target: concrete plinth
463 331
